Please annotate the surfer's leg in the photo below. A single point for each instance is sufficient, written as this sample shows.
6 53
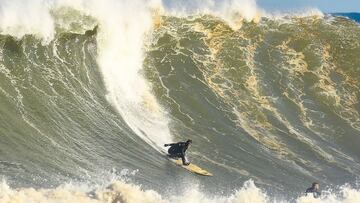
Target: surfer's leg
184 160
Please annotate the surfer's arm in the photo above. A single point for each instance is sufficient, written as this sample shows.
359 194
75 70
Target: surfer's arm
171 144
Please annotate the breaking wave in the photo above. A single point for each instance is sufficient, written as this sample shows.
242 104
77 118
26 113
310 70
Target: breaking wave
271 102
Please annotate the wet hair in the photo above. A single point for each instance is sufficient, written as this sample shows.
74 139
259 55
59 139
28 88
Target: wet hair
315 183
188 141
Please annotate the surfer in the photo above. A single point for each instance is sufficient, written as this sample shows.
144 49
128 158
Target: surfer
177 150
314 189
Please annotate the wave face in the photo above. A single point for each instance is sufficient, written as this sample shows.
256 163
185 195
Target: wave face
89 95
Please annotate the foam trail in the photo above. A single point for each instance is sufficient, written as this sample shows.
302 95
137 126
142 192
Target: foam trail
120 45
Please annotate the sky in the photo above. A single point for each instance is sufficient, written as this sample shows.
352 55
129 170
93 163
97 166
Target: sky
327 6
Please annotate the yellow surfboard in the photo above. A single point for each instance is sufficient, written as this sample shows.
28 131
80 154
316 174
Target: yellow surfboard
192 168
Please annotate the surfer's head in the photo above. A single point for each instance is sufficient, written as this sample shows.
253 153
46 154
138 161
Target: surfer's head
188 142
315 185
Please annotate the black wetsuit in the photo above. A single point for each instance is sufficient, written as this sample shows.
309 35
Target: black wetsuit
312 190
177 150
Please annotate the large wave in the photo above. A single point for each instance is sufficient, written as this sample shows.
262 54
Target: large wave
89 88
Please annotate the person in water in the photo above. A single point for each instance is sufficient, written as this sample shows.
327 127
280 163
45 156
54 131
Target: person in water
314 189
177 150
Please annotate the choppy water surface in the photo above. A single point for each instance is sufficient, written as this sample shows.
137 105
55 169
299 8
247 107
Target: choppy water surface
88 97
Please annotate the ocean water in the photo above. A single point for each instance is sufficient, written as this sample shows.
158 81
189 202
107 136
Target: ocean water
90 91
353 16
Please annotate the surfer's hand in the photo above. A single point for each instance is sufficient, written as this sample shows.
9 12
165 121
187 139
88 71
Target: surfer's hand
165 145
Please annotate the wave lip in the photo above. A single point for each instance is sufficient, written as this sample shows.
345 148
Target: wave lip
19 18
